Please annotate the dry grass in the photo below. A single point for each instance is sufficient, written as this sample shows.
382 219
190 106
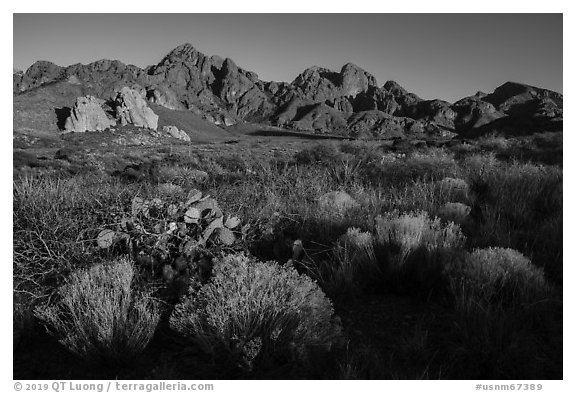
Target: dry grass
101 316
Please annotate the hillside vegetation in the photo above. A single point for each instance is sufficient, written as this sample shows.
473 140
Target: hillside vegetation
277 257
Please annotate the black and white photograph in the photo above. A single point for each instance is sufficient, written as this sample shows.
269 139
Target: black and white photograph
287 196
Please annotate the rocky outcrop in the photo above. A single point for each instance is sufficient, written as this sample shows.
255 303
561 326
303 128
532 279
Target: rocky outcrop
377 124
354 80
88 115
321 84
132 108
473 112
174 132
164 96
518 99
437 111
320 118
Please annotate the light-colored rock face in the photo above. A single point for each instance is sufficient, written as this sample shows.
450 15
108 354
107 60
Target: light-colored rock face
165 97
176 133
88 115
132 108
355 80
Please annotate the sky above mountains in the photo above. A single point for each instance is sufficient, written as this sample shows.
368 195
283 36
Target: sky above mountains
446 56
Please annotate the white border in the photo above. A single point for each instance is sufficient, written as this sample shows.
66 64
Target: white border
303 6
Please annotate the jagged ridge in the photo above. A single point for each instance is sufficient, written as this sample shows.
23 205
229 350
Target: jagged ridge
347 102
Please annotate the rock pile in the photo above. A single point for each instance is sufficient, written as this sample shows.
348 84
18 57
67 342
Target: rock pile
176 133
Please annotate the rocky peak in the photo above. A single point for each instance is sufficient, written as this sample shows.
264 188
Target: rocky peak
395 89
184 53
229 68
355 80
37 74
315 73
510 89
522 100
43 65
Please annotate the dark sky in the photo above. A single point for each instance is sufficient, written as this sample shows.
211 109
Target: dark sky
445 56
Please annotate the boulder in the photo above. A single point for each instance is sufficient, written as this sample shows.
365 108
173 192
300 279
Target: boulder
176 133
131 108
88 115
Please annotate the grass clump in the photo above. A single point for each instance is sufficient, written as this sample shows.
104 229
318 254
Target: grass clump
456 212
416 247
520 206
101 316
321 153
352 267
255 314
497 276
506 313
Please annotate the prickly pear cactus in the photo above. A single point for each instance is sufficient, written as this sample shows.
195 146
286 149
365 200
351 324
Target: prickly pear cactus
175 241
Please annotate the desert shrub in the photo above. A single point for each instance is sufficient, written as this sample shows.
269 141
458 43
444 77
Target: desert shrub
457 189
233 163
183 176
351 267
480 164
496 276
394 168
506 313
170 190
255 314
493 142
24 158
456 212
516 201
416 247
409 231
549 139
55 223
101 315
321 153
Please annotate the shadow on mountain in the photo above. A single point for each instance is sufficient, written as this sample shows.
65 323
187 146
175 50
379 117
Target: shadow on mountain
516 126
62 114
296 134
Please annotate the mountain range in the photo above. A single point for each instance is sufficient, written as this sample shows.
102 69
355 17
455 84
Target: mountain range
349 102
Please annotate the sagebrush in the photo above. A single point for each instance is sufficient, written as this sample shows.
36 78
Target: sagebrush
101 316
